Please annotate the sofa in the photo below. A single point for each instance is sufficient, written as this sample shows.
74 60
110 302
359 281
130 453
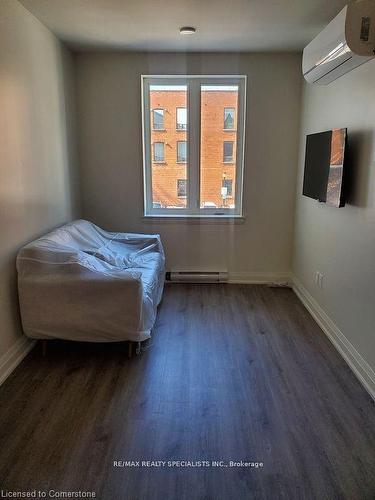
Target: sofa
82 283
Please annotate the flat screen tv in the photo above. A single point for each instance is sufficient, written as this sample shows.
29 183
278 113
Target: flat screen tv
325 167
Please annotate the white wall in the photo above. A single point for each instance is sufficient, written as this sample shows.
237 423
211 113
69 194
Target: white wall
341 242
37 184
109 116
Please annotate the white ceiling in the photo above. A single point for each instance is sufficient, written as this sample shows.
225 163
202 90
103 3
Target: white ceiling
222 25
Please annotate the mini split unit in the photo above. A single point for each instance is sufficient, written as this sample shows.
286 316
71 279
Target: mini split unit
347 42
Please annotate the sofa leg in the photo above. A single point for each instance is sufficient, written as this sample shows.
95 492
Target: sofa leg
130 349
44 348
138 349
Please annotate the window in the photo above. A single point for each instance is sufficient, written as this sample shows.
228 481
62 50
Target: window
192 185
181 188
158 119
227 188
158 152
181 152
229 118
228 151
181 118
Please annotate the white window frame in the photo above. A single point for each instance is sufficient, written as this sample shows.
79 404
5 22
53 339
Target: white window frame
193 83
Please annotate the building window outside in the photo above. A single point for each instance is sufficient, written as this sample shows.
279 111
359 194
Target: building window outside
158 152
181 188
181 118
228 151
158 119
229 118
228 187
181 152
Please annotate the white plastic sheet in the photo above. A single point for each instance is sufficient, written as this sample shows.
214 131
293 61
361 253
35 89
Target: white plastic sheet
82 283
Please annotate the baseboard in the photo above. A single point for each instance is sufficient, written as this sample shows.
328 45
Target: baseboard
361 369
259 278
13 357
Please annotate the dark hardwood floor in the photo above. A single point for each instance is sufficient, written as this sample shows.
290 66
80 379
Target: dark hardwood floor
233 373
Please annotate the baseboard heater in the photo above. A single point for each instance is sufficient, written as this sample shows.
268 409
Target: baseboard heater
197 276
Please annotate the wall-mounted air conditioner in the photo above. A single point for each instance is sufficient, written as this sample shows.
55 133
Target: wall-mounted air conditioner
347 42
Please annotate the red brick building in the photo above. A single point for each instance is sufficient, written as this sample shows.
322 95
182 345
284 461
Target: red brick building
169 147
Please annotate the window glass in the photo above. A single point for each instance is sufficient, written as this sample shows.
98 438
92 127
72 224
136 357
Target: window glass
171 153
158 151
228 187
216 145
158 119
228 118
181 114
181 187
181 152
228 151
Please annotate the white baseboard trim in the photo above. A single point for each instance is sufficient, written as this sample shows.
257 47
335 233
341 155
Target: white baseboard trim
13 357
361 369
259 278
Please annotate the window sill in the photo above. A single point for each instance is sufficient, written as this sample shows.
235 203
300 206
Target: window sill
229 130
159 129
195 219
159 162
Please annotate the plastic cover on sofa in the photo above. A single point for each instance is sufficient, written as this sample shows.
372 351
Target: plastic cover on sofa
82 283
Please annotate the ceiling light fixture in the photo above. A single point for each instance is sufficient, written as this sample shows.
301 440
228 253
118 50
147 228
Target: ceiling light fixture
187 30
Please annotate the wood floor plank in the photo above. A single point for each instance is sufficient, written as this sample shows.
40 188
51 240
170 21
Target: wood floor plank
233 372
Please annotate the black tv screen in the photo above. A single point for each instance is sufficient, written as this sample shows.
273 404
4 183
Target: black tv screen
324 167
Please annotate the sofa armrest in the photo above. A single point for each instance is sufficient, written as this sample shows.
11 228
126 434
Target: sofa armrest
88 306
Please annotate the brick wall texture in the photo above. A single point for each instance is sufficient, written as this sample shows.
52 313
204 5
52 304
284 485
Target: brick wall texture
216 170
